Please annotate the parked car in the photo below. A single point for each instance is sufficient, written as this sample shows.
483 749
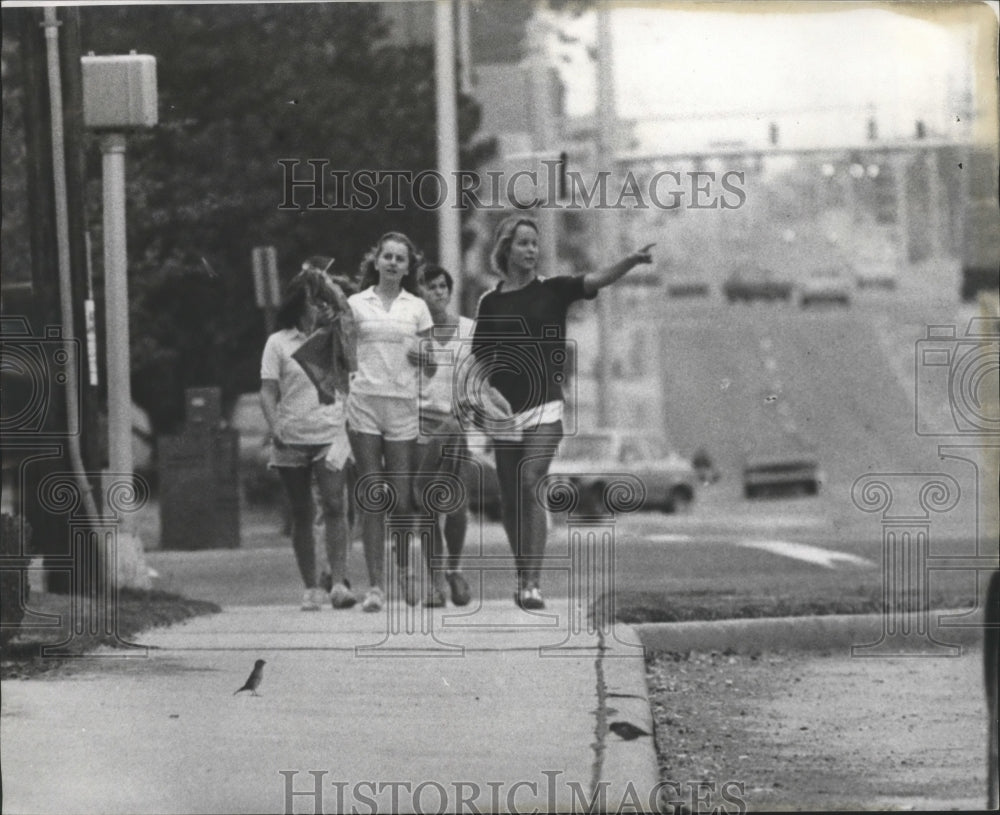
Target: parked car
828 284
590 460
877 274
260 483
791 468
687 286
752 282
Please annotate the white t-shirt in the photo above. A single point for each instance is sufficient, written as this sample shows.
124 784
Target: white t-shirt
301 418
437 392
384 337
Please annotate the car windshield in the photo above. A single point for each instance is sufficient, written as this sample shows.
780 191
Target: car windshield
625 449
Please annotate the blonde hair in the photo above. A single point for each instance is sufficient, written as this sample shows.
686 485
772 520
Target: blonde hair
503 236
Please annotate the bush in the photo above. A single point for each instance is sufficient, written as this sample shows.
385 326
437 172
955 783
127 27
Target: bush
13 582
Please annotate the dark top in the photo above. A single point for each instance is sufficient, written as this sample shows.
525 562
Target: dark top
521 337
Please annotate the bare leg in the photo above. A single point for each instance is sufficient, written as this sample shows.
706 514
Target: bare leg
400 465
297 482
426 457
333 504
367 449
520 467
456 525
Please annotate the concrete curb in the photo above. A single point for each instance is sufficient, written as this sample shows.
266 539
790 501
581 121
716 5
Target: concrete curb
624 698
934 632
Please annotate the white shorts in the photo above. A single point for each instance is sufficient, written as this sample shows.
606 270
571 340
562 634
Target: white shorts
333 456
392 417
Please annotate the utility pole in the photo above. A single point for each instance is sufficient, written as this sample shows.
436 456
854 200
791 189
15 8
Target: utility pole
70 52
449 217
50 531
607 239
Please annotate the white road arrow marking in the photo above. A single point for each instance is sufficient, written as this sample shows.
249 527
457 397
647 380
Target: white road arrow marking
806 552
669 537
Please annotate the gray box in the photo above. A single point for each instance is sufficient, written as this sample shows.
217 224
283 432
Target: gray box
119 92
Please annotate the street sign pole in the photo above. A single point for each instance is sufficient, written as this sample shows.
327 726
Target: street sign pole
266 286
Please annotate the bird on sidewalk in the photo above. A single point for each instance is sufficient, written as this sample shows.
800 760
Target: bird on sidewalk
627 730
253 681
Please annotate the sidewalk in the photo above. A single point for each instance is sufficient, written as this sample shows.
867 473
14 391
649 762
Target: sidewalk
495 709
482 709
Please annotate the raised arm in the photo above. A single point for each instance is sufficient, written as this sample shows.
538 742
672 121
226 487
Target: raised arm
595 281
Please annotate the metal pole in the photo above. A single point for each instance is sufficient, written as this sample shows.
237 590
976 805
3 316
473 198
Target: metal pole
92 444
60 198
449 218
543 139
938 212
464 47
116 297
131 564
607 239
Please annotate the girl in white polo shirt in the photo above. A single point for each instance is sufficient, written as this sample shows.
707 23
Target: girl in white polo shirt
381 412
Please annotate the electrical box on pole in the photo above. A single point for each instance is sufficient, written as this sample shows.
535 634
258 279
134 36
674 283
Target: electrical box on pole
119 96
119 91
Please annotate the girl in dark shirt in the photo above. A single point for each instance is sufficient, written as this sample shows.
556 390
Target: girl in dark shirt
520 348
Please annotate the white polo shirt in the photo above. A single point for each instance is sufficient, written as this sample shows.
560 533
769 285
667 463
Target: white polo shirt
437 392
384 337
301 418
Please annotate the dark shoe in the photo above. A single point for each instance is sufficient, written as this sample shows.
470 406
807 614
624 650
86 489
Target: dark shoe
341 596
460 594
529 598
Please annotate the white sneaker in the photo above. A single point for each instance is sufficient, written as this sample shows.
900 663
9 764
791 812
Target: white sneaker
311 600
374 599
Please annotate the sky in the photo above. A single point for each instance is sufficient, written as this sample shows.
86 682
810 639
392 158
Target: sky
691 75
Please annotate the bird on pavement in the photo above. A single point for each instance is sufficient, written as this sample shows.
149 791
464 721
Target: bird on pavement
627 730
253 681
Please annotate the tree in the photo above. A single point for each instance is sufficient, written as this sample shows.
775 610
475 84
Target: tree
242 87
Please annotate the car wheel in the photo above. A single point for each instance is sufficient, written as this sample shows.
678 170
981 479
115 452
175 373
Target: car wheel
592 500
680 501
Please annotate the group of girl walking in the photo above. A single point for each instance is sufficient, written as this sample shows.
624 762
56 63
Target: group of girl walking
401 415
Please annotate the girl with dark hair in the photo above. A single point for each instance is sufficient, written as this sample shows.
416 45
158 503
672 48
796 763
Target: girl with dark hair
381 412
441 444
521 333
309 440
